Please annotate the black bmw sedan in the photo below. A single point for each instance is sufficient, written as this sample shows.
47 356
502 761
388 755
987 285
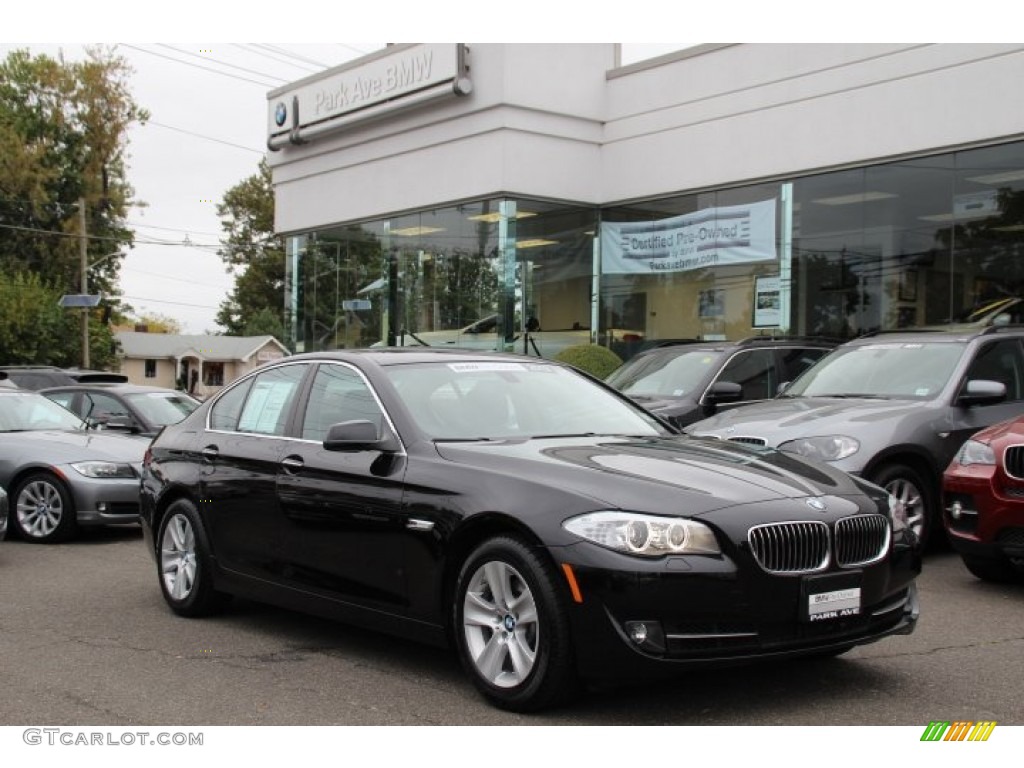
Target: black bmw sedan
538 521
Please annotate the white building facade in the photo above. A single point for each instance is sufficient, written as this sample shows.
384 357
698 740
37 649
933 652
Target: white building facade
719 192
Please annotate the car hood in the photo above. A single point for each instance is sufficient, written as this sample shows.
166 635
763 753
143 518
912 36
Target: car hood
64 446
691 475
776 421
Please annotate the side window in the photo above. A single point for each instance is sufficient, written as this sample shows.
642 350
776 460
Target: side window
1002 362
796 361
62 398
101 407
227 409
338 394
270 400
754 370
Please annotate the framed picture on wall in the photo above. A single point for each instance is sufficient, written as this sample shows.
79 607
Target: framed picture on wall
908 285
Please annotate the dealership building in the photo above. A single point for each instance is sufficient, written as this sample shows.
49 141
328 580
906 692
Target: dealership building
719 192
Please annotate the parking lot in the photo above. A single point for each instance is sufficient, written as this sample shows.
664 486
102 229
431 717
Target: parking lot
86 639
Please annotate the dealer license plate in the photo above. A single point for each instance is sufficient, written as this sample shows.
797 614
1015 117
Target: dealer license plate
822 606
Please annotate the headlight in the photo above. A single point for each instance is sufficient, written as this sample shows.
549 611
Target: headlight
644 535
831 448
897 514
103 469
973 452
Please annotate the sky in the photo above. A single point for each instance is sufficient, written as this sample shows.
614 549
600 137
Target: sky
207 100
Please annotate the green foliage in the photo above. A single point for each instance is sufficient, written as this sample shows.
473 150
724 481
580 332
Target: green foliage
253 253
265 322
596 360
34 330
63 128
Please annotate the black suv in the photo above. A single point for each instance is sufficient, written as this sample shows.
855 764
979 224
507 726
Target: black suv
893 408
690 380
37 377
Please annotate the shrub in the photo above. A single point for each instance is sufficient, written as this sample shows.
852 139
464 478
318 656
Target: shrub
596 360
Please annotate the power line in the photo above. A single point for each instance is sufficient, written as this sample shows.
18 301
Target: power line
164 301
173 229
249 48
201 136
199 66
352 48
222 63
292 55
101 238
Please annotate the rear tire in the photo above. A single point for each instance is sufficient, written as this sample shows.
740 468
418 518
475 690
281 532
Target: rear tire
511 629
185 565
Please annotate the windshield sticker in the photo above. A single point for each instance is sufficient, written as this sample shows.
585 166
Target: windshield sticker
913 346
921 391
472 367
678 392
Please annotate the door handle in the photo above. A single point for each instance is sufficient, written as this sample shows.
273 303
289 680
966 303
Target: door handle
210 452
292 463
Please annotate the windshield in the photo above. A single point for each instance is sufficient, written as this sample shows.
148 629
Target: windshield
496 400
669 375
162 408
899 369
27 411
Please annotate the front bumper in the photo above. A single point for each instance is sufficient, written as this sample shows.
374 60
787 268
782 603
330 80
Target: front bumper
106 501
990 513
713 611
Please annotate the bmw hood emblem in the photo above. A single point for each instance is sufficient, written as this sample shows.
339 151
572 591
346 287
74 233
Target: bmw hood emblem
280 113
816 504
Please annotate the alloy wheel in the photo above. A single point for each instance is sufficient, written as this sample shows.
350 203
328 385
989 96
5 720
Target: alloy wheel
910 495
178 557
40 509
501 625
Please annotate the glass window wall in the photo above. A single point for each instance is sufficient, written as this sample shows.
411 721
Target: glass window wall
917 242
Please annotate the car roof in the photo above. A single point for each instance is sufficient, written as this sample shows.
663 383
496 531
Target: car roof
115 387
938 335
385 356
753 342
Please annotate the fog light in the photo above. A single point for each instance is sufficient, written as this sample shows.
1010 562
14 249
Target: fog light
638 633
646 635
955 510
102 506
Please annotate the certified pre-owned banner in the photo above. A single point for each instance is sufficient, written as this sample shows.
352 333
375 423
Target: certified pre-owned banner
737 234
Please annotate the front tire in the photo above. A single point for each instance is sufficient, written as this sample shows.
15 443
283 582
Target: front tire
992 569
511 629
910 488
42 509
183 558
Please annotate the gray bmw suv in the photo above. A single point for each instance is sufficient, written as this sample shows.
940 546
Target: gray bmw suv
893 408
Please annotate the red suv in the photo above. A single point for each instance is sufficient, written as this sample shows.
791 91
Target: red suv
983 502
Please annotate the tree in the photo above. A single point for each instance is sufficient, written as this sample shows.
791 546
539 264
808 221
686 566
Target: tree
253 253
34 330
155 323
63 127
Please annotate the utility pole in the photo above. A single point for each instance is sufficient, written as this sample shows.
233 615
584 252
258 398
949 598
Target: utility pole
83 251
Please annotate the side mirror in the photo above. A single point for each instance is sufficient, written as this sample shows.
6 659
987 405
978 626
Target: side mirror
723 392
120 424
783 387
982 392
357 435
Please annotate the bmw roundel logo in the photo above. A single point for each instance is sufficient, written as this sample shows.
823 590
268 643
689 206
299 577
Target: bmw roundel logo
816 504
280 113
